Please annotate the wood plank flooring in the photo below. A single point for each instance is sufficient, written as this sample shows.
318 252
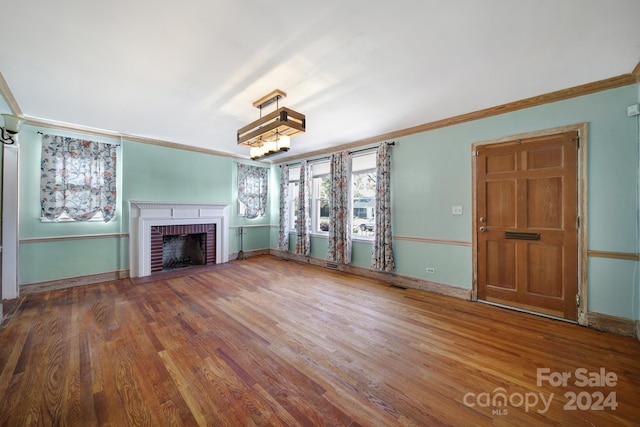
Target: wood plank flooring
270 342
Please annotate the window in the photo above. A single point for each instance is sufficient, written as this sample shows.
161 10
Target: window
321 204
363 181
294 179
78 179
252 190
320 195
364 200
293 204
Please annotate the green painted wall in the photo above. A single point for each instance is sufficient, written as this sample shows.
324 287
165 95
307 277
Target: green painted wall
147 173
156 173
431 172
71 258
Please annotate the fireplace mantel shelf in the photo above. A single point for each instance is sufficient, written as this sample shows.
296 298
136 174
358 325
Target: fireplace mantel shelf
173 205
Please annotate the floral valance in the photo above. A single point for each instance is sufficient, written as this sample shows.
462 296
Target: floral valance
252 189
78 177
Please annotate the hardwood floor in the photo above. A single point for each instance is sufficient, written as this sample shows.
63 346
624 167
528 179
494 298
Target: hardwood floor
270 342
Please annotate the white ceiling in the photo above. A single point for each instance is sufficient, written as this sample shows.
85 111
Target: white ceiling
188 71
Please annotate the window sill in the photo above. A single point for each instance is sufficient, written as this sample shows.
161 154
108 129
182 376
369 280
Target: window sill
362 239
60 220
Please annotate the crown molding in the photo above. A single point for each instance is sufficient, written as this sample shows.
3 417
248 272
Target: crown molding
8 97
50 124
636 72
560 95
178 146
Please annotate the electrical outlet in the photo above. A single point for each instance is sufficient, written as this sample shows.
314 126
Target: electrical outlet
633 110
431 270
456 210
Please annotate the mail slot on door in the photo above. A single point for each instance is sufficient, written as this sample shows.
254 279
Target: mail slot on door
521 236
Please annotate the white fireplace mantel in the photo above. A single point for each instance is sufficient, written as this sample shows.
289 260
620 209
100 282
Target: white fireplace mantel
143 215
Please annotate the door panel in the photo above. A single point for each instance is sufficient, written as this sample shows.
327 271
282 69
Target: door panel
501 163
502 212
501 272
544 203
527 202
545 158
545 270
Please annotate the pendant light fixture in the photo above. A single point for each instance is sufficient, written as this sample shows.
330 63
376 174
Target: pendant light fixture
271 134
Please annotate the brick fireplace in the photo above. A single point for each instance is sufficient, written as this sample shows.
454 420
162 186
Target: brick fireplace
151 222
181 241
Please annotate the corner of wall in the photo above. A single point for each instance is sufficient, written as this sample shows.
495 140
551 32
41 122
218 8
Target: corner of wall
636 72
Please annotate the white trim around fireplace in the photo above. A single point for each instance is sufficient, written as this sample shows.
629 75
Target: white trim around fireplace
144 215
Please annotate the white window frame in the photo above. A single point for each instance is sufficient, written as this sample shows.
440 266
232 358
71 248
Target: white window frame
293 197
319 170
316 205
294 180
361 164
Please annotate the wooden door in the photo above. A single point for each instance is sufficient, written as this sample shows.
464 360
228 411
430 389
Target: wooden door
526 224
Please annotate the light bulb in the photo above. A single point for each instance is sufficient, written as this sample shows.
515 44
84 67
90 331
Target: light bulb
284 143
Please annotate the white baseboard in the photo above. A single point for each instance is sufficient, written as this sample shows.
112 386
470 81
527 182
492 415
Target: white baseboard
52 285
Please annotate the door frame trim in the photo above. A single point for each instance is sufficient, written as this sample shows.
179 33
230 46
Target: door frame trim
583 134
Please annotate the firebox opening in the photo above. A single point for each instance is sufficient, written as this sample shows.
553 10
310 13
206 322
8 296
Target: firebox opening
183 250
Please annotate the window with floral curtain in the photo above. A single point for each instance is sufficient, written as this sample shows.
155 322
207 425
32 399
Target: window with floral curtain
303 220
78 178
283 238
382 256
340 209
252 189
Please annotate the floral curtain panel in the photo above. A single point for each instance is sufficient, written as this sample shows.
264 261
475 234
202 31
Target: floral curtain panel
252 189
283 238
303 221
78 177
340 209
382 257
